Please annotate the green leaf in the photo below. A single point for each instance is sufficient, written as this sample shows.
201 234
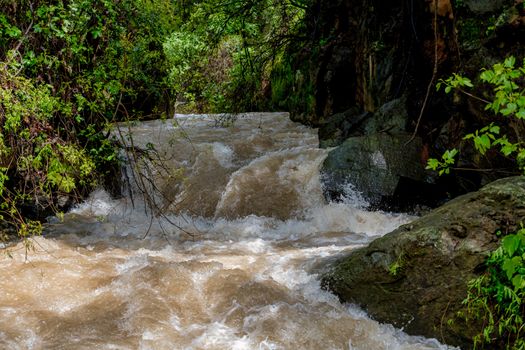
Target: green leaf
467 82
96 33
510 244
508 149
13 32
509 109
451 153
509 62
487 75
482 143
518 282
509 267
494 129
520 114
432 164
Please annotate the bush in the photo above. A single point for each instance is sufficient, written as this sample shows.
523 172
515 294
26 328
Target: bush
224 54
507 100
497 297
69 69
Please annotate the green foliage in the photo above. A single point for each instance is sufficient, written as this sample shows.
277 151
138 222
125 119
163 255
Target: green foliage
224 55
497 297
397 266
186 53
484 138
290 89
36 161
443 165
454 82
68 70
507 100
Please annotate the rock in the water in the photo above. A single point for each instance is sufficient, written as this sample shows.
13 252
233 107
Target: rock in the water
416 276
375 165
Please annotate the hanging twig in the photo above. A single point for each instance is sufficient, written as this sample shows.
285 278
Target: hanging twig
434 74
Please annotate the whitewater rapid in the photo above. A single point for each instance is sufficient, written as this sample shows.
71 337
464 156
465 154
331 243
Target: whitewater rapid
224 254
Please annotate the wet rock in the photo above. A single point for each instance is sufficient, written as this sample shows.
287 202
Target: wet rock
338 127
416 276
363 54
392 117
484 6
375 166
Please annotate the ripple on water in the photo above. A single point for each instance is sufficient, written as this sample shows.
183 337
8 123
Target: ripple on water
236 276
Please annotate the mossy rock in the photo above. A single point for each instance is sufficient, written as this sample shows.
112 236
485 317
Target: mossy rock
416 276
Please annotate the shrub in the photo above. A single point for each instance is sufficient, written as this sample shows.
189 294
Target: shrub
68 70
507 100
497 297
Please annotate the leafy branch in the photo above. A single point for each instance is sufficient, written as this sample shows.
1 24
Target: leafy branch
508 100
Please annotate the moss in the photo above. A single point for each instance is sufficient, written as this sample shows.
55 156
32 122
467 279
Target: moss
416 277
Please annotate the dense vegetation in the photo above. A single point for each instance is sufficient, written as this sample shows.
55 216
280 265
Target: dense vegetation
232 55
69 69
496 297
506 101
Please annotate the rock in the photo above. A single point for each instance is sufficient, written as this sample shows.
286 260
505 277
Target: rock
360 55
374 165
480 7
416 276
391 117
338 127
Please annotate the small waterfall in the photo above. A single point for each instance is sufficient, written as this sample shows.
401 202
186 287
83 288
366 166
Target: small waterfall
265 170
224 255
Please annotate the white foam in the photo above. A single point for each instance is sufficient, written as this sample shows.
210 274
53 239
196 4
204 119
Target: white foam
99 203
168 279
223 153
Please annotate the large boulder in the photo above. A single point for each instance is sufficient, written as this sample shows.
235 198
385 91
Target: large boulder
416 276
382 167
338 127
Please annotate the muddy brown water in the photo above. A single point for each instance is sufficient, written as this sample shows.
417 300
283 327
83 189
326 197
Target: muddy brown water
231 261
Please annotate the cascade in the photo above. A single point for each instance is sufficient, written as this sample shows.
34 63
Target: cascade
216 244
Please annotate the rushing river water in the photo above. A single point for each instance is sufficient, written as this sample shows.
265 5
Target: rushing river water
225 257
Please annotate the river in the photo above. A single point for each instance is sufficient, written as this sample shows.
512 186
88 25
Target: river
222 252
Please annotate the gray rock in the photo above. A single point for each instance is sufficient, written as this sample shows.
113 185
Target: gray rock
391 117
373 164
484 6
338 127
416 276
